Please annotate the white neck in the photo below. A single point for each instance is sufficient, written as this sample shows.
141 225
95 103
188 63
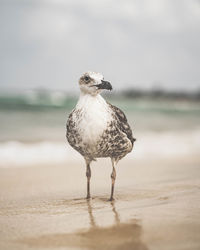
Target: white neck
88 100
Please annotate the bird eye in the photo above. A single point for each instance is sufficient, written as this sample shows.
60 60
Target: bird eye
86 78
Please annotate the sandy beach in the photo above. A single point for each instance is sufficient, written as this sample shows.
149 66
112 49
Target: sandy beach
157 206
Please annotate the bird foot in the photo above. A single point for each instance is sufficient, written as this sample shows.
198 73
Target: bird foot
111 199
88 197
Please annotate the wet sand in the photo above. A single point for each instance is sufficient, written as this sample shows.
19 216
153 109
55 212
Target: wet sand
157 206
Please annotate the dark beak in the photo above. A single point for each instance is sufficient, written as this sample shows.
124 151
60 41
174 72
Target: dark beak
104 85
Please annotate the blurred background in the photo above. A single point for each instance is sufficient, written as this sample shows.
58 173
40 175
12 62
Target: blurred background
148 49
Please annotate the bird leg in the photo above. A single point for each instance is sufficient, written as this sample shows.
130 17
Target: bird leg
88 174
113 177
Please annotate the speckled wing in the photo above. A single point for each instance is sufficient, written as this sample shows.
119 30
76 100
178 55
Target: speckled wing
72 134
122 122
70 126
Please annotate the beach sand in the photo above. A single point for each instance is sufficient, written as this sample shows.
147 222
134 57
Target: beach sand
157 206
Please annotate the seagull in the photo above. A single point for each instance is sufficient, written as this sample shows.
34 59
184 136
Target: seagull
96 128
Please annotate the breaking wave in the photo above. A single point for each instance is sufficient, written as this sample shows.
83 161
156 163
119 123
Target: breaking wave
149 145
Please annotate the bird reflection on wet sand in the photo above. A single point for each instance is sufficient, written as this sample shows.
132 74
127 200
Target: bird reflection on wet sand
118 236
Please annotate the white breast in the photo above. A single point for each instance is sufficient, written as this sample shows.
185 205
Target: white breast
94 118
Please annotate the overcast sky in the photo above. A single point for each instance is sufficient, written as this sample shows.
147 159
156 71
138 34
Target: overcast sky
139 43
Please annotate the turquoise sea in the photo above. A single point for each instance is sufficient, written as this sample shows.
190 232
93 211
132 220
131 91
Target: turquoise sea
32 127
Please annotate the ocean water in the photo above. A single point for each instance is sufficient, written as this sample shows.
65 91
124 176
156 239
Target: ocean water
33 128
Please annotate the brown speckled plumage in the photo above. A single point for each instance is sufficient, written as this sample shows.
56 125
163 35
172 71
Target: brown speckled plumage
115 142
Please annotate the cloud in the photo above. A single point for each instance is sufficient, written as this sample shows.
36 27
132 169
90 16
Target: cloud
50 43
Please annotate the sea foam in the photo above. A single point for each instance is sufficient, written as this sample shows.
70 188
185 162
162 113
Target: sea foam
149 145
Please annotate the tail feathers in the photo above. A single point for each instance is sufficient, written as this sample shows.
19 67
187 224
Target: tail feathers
133 140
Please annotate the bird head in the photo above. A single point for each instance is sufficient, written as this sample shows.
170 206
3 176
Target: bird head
93 83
